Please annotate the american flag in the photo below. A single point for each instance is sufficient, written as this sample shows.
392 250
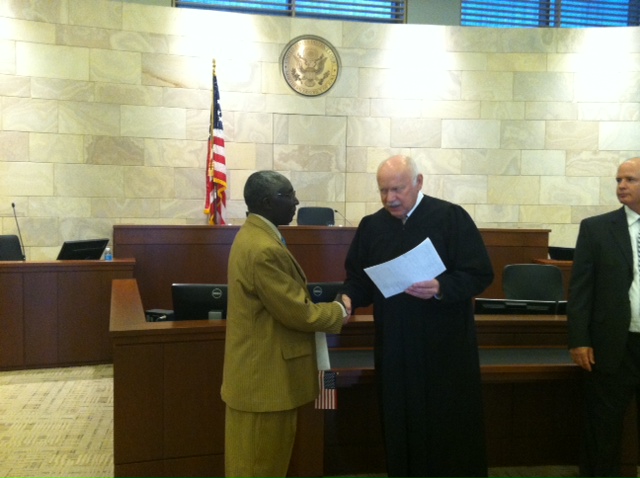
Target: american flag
216 200
328 398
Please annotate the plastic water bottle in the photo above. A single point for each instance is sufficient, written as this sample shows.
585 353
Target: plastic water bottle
108 255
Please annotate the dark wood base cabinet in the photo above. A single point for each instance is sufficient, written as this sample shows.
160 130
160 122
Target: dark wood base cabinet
169 418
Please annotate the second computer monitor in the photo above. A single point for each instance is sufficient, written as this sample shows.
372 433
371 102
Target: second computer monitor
199 301
324 291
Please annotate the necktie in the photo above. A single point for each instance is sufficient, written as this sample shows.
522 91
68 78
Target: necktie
638 248
638 244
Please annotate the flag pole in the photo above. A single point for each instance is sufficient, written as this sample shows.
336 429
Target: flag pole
213 99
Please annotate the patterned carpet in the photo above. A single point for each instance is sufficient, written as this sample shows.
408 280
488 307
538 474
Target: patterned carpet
59 422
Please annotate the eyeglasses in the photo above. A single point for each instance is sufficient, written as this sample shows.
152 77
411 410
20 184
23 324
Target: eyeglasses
289 195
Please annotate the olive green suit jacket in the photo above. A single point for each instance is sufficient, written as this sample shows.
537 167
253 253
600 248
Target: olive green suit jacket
270 352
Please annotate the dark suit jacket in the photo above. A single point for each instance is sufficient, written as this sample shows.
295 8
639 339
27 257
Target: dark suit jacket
599 311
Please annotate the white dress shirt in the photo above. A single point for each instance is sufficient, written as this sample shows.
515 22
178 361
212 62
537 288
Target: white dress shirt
633 219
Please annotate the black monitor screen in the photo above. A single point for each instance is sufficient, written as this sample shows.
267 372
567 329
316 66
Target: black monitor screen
199 301
520 307
561 253
90 249
324 291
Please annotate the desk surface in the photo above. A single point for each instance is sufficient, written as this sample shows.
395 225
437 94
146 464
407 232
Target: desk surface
497 365
363 359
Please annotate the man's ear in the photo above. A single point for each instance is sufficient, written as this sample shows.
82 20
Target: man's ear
266 203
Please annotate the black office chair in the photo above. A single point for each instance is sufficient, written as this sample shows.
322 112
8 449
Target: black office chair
532 282
315 216
10 249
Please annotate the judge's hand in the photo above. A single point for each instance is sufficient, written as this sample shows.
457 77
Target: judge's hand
583 356
345 300
425 289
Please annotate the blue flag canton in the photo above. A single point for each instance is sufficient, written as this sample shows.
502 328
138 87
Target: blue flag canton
217 120
330 380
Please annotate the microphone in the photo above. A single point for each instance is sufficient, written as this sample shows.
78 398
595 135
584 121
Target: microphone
342 216
13 205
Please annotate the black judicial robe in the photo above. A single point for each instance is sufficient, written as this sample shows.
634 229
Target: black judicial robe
426 353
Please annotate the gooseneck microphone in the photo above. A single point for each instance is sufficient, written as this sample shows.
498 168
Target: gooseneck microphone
342 216
24 257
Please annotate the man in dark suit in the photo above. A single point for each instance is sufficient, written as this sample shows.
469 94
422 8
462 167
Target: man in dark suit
604 321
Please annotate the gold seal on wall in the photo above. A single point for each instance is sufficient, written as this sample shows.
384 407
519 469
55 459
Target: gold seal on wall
310 65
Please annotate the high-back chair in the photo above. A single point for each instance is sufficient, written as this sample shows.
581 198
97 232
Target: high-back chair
315 216
10 249
532 282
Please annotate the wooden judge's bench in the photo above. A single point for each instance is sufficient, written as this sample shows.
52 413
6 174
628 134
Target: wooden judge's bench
168 415
168 254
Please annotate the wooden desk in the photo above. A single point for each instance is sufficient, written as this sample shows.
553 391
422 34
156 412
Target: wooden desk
169 418
167 254
56 313
168 415
529 395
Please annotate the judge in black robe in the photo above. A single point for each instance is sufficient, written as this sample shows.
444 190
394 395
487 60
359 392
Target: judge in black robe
426 353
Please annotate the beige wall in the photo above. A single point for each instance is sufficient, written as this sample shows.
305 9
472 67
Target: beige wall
104 113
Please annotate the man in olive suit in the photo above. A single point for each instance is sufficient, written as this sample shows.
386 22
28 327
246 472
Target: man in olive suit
270 366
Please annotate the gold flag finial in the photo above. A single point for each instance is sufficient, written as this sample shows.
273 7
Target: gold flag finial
213 66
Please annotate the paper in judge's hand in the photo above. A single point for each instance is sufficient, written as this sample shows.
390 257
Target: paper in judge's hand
419 264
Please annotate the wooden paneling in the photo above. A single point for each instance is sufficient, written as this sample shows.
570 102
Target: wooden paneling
138 412
168 254
11 319
184 400
168 415
83 315
56 313
512 246
41 318
168 375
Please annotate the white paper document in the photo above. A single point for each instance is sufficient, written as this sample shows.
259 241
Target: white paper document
419 264
322 351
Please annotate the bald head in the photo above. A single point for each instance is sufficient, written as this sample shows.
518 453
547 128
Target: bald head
399 163
399 183
628 179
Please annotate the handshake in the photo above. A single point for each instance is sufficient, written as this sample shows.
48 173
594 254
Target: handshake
345 301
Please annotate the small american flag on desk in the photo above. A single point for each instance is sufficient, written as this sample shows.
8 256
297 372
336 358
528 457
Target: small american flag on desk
328 398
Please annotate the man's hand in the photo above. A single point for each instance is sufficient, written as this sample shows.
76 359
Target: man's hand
425 289
345 300
583 356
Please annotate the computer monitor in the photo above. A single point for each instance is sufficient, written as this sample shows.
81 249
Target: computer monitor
520 307
324 291
199 301
561 253
89 249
